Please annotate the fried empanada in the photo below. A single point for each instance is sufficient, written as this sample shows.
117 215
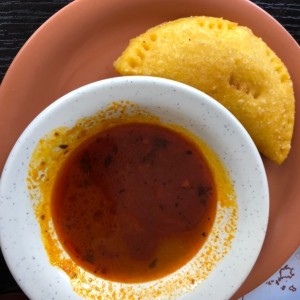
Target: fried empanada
229 63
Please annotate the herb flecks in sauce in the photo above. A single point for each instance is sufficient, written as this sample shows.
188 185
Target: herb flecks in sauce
45 164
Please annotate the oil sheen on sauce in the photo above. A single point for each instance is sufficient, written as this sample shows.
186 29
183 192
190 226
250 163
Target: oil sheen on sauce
134 202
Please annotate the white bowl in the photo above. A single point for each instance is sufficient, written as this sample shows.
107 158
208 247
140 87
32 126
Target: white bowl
173 102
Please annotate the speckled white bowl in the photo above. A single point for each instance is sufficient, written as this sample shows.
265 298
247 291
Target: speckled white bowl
172 102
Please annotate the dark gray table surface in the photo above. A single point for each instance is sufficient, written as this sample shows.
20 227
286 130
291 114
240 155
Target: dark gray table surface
20 18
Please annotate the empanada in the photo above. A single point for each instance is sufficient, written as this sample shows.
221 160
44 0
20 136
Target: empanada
229 63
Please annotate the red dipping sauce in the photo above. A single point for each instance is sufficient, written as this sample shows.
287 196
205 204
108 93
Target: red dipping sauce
134 203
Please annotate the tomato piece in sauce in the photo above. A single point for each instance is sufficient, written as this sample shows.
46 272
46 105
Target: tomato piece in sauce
134 203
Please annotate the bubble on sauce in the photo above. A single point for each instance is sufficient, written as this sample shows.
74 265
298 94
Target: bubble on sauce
50 153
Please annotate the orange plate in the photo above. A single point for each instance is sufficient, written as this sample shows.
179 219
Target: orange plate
78 45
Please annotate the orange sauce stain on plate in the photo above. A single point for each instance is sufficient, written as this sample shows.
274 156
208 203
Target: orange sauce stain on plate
123 198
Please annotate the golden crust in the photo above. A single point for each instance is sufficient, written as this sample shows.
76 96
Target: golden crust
229 63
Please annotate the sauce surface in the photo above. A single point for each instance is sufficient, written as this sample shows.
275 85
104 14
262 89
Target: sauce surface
134 203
